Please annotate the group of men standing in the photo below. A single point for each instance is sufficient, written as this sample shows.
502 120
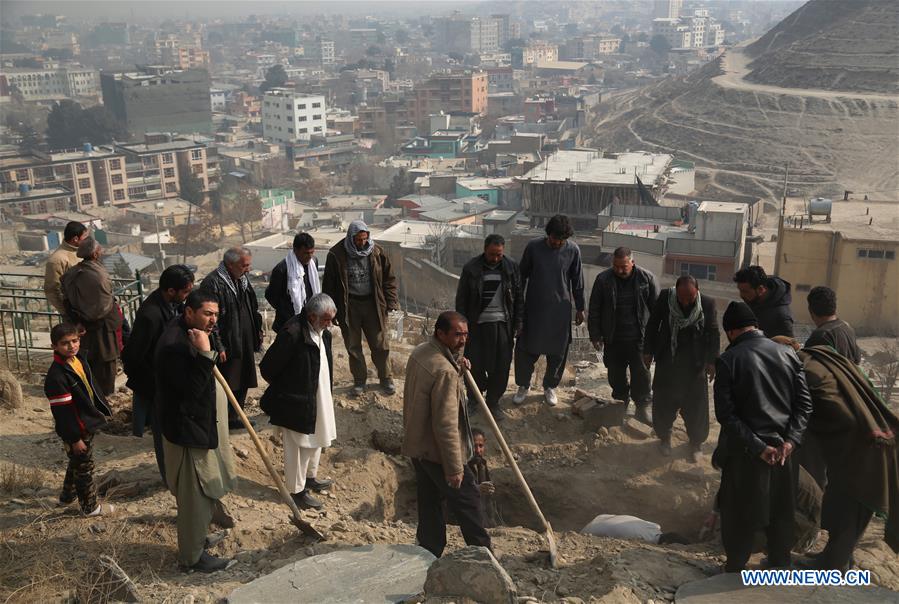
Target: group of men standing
505 312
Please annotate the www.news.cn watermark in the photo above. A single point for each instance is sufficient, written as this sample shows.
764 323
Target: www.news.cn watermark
784 577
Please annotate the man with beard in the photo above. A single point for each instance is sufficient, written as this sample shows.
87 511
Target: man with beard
199 466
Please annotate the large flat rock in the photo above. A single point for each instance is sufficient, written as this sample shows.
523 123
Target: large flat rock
729 588
369 574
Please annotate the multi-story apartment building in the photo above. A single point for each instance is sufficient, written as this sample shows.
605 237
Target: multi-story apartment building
534 52
159 99
667 9
92 174
289 116
455 92
700 31
114 175
321 50
54 82
457 33
184 57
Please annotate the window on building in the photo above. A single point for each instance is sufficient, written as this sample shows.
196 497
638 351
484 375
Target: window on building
700 271
317 129
196 154
876 254
84 183
21 174
301 106
316 105
317 117
171 187
81 168
169 172
167 158
87 199
118 194
198 169
116 179
115 164
168 220
304 130
290 130
303 118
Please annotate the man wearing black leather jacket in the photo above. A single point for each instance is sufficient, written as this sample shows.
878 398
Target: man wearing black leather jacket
763 404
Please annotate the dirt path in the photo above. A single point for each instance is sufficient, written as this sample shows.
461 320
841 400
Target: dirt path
735 65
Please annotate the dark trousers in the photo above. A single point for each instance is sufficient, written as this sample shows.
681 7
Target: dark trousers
144 413
363 318
618 357
463 502
103 375
685 390
490 351
79 480
848 521
756 497
525 361
241 396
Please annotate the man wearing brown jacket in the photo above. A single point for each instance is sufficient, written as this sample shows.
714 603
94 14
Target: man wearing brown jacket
437 436
61 260
87 289
359 279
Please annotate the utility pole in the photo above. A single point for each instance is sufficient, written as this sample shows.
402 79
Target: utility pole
156 207
780 222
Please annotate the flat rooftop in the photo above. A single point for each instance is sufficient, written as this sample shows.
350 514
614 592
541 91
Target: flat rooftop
855 219
36 194
179 145
170 206
588 166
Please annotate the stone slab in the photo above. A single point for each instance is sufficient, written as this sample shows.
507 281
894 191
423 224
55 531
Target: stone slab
370 574
729 588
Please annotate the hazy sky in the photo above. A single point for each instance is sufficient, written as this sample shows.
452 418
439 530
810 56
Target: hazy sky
156 9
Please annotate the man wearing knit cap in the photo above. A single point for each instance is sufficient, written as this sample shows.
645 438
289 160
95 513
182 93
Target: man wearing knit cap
763 404
360 280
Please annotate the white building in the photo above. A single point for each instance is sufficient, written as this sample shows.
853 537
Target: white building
218 99
690 32
57 83
289 116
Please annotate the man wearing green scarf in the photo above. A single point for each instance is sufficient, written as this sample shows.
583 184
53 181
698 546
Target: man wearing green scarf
682 335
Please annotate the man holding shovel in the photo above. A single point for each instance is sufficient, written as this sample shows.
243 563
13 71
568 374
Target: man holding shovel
437 436
199 466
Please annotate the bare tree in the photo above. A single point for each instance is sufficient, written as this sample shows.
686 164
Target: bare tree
884 368
438 234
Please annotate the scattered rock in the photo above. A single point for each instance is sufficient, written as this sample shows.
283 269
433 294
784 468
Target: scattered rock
371 573
390 443
18 501
637 429
605 413
38 409
582 405
471 572
106 582
10 391
242 453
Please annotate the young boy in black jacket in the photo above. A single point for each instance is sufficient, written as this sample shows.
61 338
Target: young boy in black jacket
78 411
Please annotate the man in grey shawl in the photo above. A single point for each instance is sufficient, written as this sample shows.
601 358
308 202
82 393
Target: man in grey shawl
360 280
682 335
551 273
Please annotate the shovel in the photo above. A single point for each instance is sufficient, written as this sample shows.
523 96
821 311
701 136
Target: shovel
296 518
485 411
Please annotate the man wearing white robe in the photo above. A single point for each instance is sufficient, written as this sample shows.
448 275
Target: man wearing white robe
298 399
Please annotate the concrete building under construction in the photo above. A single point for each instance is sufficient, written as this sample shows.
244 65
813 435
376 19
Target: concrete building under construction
582 183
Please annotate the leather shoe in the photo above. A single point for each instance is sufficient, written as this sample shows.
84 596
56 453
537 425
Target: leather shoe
318 485
388 387
209 564
306 501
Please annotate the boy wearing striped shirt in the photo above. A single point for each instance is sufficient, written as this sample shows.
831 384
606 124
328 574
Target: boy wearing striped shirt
78 412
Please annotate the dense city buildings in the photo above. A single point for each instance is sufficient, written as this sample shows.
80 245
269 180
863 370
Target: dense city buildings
159 99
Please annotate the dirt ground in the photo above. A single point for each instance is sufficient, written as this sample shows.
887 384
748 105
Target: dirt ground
575 474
